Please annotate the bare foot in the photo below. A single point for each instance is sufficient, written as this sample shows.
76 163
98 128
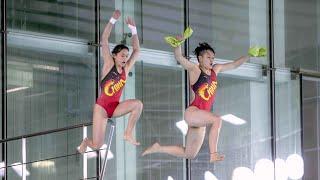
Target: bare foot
83 146
130 139
152 149
216 157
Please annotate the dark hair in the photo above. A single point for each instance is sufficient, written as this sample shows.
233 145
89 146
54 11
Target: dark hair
202 48
118 48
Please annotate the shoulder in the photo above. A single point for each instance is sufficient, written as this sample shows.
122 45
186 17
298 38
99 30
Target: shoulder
216 68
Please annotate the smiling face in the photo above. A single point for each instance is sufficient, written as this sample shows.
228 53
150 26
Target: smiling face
206 59
121 57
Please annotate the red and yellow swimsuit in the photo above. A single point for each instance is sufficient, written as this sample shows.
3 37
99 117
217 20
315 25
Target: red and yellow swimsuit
205 91
111 90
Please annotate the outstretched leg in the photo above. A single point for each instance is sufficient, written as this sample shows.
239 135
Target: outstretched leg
197 121
134 107
195 137
98 130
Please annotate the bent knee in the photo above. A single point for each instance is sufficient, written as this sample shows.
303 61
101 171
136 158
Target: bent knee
138 104
191 156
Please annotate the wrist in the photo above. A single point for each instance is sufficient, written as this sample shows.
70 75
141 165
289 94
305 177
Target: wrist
133 29
112 20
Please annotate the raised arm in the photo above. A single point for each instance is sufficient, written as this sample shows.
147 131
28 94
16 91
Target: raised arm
232 65
135 44
106 54
182 60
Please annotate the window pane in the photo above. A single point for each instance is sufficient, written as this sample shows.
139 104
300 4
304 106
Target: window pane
51 84
288 124
161 88
296 44
157 19
243 93
64 18
159 85
231 33
311 119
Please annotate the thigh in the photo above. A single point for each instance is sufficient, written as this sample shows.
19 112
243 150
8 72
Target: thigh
194 140
125 107
199 118
100 119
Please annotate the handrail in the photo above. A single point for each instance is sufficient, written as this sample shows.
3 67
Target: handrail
103 170
45 132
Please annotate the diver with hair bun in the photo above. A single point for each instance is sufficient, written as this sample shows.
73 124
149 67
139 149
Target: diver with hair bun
204 83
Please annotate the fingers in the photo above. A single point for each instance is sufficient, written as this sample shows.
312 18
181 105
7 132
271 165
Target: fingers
179 37
116 14
130 21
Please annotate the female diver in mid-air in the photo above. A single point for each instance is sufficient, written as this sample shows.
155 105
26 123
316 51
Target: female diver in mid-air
114 72
203 80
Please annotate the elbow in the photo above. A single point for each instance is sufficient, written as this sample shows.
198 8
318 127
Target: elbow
178 58
136 52
136 49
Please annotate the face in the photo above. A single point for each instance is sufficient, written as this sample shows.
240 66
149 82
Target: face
121 57
206 59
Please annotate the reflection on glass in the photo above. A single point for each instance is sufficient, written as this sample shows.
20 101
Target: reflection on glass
106 9
311 126
295 166
49 155
288 124
160 88
157 19
241 173
264 169
296 44
232 33
51 84
209 176
61 168
72 19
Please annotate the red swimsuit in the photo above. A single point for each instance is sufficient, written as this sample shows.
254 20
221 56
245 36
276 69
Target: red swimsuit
111 90
205 91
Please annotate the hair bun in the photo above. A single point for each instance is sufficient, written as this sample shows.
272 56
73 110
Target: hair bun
203 46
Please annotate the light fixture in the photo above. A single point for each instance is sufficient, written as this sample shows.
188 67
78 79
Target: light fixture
233 119
92 154
2 169
46 67
209 176
295 166
170 178
242 173
182 126
264 170
281 169
43 164
16 89
103 151
20 169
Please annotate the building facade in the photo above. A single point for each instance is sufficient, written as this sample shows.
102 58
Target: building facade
50 79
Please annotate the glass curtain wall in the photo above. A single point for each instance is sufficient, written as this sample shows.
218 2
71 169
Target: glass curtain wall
296 48
51 83
288 162
158 82
243 93
296 44
311 133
